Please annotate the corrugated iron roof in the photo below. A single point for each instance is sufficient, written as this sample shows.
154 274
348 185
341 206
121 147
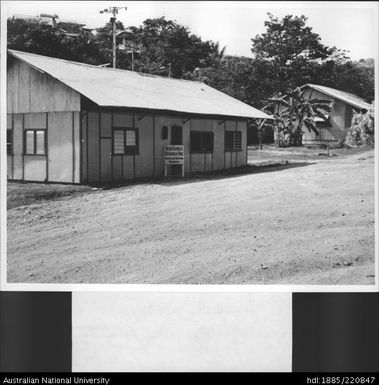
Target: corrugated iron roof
110 87
346 97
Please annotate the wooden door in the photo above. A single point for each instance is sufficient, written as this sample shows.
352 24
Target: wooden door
176 139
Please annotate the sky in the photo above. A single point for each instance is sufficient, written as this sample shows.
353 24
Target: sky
351 26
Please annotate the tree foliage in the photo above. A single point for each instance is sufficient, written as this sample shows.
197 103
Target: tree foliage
32 36
167 43
361 132
289 42
287 55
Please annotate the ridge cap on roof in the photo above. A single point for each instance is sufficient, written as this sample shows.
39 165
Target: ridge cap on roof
335 89
103 68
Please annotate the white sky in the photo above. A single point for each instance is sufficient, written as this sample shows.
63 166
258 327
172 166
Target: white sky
347 25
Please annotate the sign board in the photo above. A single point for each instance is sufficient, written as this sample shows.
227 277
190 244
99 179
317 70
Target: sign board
174 154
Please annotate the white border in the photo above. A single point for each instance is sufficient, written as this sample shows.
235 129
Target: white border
3 156
177 288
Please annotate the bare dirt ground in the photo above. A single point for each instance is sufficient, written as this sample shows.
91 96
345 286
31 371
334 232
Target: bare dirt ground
310 221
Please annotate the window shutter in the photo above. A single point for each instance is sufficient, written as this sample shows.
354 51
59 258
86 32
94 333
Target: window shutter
228 140
118 142
237 140
131 138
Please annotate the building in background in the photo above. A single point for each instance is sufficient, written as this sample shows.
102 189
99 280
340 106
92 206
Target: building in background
70 28
333 129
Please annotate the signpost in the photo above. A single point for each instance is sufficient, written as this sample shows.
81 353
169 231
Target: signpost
173 155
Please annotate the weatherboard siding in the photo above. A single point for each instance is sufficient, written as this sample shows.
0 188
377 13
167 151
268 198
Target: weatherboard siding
63 147
10 156
145 158
99 165
29 90
35 100
93 147
18 160
61 162
340 120
338 125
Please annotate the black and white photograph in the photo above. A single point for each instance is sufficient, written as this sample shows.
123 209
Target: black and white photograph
189 143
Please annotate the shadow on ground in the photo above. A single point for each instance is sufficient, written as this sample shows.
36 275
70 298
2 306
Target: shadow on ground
23 194
213 175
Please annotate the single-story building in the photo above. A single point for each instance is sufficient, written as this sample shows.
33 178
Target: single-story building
71 122
333 129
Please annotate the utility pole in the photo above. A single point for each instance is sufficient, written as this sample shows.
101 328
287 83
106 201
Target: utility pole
114 12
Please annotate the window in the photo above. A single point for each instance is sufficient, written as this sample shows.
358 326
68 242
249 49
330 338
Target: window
34 142
164 133
125 141
176 135
201 141
233 141
118 142
9 141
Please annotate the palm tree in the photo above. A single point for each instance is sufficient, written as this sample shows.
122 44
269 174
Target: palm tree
217 55
294 111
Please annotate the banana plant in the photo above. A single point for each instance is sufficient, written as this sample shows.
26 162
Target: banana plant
294 112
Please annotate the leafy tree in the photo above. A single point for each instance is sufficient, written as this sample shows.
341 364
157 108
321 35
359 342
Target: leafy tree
169 44
291 50
31 36
40 38
348 76
289 40
233 75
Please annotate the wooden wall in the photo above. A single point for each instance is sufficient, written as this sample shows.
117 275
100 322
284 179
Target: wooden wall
61 163
336 131
340 120
35 100
29 90
100 165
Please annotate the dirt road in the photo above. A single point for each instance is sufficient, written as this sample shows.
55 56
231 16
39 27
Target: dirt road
309 224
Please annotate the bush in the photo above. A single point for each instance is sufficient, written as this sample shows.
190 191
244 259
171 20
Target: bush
361 132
